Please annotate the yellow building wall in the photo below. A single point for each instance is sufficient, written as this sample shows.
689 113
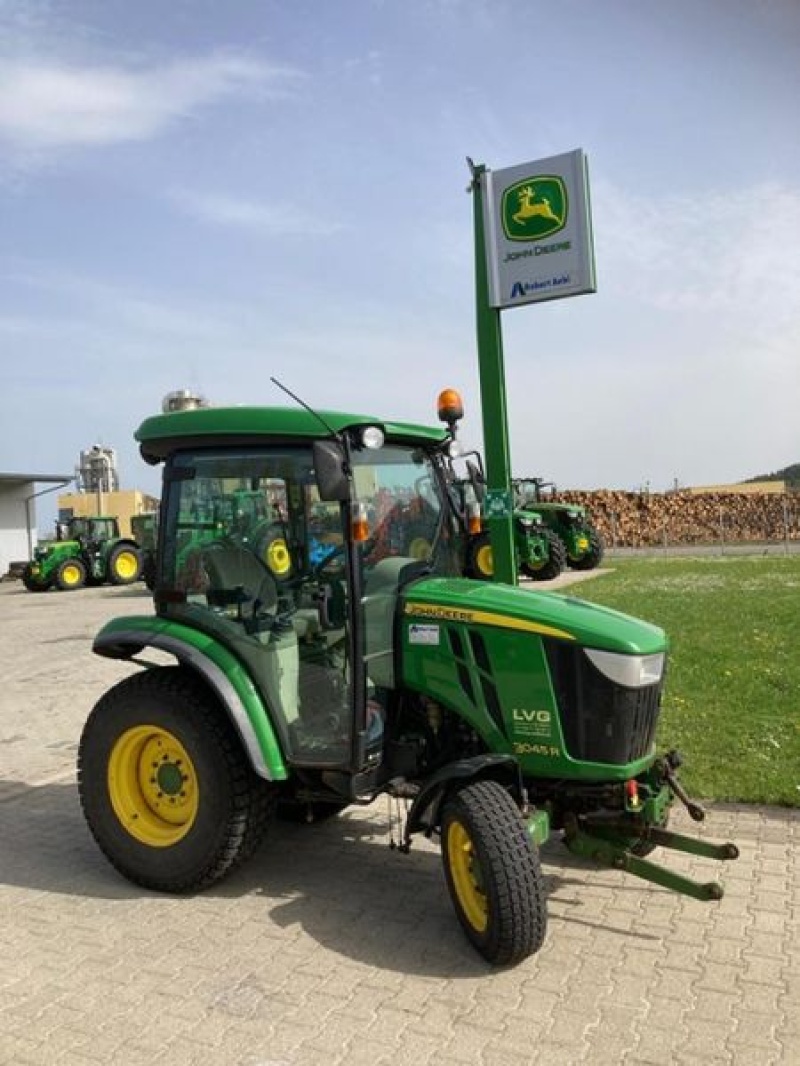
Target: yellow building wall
121 505
746 488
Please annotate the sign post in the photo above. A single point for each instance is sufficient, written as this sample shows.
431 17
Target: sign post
498 505
533 242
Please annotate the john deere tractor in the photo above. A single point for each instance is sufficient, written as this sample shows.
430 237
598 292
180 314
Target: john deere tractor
540 553
144 528
86 551
496 716
583 545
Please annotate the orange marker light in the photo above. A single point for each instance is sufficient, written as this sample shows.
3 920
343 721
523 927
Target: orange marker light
450 406
474 522
359 523
632 789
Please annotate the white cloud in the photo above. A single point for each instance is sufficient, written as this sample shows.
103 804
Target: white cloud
735 253
53 104
256 217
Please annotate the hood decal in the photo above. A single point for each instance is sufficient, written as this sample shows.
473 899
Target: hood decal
487 618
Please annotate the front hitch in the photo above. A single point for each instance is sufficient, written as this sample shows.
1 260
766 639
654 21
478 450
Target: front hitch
622 841
602 844
668 766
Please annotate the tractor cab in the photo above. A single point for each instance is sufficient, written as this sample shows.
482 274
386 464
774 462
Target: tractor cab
93 532
290 550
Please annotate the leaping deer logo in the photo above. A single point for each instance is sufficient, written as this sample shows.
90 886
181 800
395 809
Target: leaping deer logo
530 207
534 208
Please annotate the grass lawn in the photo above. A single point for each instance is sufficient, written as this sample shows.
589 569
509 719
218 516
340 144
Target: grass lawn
732 701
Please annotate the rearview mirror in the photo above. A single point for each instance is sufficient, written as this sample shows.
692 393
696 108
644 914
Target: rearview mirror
477 481
329 470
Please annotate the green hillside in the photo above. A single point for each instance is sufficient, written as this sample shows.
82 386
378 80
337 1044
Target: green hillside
789 474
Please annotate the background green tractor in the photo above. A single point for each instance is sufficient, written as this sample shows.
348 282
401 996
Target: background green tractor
86 551
490 715
583 545
144 529
540 553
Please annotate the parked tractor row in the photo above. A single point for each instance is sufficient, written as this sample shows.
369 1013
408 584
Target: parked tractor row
549 536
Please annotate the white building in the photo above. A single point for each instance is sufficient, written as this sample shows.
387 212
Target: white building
18 495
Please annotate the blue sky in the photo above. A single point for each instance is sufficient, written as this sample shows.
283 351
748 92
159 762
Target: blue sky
203 195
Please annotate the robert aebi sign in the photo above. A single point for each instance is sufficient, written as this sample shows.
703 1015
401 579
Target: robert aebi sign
538 231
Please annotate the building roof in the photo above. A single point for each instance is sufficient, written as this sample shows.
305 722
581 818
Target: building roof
26 479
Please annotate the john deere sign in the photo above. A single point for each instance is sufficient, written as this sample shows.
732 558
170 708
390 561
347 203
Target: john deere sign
539 233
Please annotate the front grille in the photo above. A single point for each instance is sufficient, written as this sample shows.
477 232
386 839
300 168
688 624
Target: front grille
601 721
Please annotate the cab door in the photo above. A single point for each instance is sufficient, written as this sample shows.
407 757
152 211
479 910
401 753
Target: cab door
242 562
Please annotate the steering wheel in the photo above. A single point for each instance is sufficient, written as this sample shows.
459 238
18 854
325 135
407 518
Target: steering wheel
317 569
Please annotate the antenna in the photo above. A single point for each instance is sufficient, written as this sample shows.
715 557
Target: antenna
305 406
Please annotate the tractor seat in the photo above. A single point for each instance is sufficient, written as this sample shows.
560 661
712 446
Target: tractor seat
236 576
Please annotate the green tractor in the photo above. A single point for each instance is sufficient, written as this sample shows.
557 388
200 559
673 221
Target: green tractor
144 528
86 551
540 553
497 716
583 545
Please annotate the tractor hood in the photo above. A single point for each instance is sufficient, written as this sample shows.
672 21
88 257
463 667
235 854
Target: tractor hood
556 508
545 613
47 547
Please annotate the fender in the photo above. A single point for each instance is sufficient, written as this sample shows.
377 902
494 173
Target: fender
124 638
502 768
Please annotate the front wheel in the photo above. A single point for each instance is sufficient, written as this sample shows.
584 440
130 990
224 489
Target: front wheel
555 562
33 583
70 575
165 786
493 873
593 556
480 559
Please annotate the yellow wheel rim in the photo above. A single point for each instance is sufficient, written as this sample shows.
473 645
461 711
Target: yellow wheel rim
467 877
153 787
125 565
484 560
71 576
420 548
278 558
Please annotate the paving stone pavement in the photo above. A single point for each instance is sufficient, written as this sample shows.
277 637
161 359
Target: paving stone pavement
328 948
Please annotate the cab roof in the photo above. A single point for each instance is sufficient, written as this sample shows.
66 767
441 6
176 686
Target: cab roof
161 435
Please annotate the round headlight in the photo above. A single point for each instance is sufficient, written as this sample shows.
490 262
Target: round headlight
373 437
454 449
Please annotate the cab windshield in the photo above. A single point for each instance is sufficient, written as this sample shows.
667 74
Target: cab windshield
408 512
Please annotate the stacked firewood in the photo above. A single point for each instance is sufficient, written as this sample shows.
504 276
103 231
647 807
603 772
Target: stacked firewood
646 519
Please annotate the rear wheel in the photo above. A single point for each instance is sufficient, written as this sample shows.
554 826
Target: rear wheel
71 574
124 565
493 873
164 784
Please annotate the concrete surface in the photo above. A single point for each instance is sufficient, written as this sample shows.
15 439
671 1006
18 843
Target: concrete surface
328 948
